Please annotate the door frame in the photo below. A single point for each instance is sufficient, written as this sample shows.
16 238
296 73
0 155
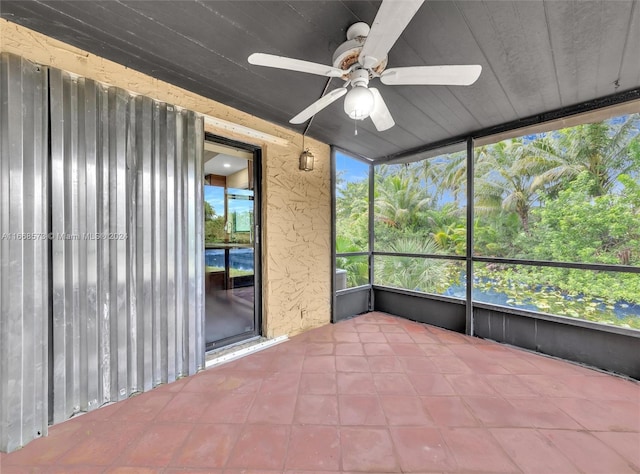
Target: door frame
257 254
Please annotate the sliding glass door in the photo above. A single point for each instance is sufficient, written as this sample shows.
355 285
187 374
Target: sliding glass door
231 248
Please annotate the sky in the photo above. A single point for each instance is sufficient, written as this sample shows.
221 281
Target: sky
352 169
214 195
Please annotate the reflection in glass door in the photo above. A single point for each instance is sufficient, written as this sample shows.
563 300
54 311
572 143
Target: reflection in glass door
230 245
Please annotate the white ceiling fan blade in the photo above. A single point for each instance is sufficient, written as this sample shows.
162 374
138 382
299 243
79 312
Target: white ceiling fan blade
318 105
380 115
391 20
280 62
432 75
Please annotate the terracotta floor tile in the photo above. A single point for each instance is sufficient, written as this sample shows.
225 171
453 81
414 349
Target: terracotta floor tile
292 346
373 338
342 336
133 470
44 451
225 379
355 383
549 386
351 364
102 442
260 363
424 338
207 446
449 412
587 452
280 383
450 365
481 366
418 365
403 410
531 451
470 384
518 366
390 383
157 445
360 410
314 447
378 349
599 388
368 450
611 415
447 337
510 386
431 384
436 350
318 383
277 409
345 326
186 407
320 364
366 327
391 327
411 350
349 348
625 444
317 410
228 407
473 447
374 393
398 337
143 407
541 413
286 363
261 447
192 471
495 412
422 449
384 364
320 348
86 469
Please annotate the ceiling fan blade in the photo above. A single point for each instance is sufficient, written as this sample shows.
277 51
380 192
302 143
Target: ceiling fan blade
380 115
391 20
318 105
281 62
432 75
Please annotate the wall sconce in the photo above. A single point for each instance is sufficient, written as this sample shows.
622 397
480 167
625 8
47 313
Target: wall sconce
306 161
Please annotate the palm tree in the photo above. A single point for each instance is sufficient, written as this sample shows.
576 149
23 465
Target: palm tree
502 182
605 150
447 174
400 196
413 273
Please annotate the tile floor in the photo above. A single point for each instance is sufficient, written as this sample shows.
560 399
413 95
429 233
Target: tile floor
372 394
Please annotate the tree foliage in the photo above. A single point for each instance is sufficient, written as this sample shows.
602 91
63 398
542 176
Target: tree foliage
572 195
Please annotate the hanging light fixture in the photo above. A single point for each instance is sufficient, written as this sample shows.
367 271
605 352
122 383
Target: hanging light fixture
306 158
306 161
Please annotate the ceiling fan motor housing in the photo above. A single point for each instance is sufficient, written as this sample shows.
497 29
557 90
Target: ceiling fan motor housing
347 53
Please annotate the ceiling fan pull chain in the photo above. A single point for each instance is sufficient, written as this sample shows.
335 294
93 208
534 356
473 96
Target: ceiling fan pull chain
355 123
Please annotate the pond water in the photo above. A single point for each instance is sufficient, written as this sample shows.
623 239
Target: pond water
553 304
239 259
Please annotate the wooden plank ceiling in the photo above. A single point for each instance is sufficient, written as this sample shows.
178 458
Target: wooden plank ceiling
537 56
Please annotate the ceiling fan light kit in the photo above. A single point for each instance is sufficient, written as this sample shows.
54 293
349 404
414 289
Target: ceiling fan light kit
359 101
364 57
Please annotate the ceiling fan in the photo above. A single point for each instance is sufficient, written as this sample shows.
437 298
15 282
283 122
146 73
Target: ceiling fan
364 57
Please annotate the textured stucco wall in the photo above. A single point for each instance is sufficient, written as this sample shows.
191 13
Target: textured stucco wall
296 204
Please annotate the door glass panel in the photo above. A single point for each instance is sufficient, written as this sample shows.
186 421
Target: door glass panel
229 246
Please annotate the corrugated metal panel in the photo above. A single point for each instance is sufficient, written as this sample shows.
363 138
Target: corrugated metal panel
127 309
24 295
